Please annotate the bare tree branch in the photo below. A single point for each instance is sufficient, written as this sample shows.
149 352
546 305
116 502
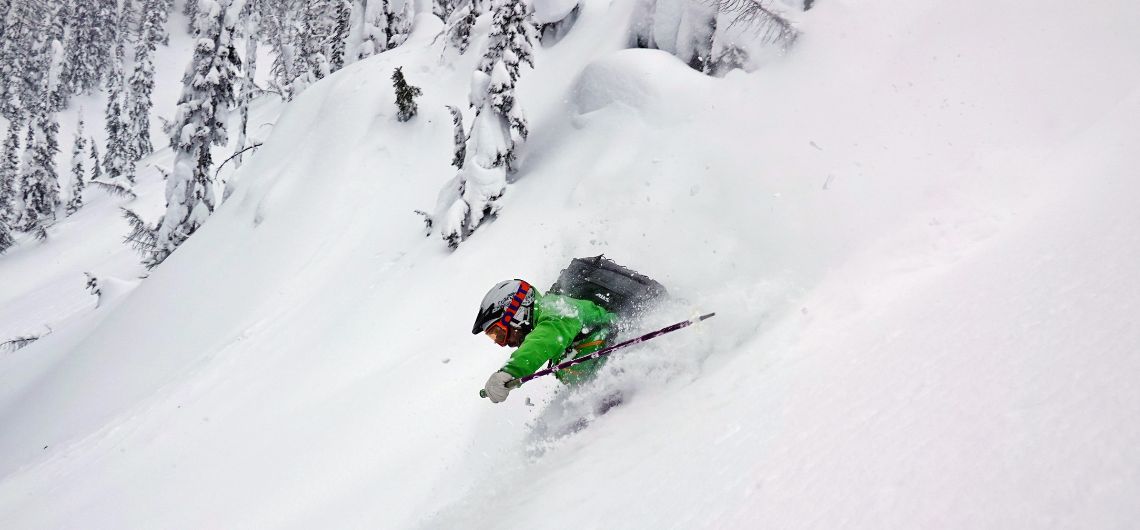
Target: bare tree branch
233 156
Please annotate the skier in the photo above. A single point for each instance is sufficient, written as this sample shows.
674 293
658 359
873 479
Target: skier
547 328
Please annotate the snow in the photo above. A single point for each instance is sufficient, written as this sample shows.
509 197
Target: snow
630 78
917 229
550 11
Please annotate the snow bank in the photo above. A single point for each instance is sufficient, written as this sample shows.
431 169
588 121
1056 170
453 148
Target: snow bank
634 78
550 11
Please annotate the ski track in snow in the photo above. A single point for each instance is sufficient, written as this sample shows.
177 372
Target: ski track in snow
917 230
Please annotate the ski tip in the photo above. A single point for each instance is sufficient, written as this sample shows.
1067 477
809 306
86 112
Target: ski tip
705 316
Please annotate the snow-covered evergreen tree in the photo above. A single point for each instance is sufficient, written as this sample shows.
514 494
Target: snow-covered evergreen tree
10 206
314 39
405 95
283 34
509 46
86 47
118 159
6 238
16 68
207 94
703 34
340 35
387 23
109 33
459 137
190 9
252 30
369 39
7 210
39 181
397 21
142 81
154 16
460 24
58 23
5 5
96 162
444 8
694 42
683 28
78 172
499 124
9 165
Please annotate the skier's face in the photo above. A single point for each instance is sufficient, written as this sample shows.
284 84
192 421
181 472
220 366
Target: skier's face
514 338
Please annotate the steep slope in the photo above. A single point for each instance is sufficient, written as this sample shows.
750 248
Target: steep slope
915 229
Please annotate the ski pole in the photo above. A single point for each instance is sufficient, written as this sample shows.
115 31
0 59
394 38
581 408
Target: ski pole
517 382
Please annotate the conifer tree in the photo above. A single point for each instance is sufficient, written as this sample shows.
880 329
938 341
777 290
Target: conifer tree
190 9
118 161
8 168
285 62
370 39
499 124
154 16
509 46
207 93
459 137
7 241
5 5
139 100
252 16
78 172
39 182
317 28
405 95
96 162
387 24
10 174
58 22
16 60
356 21
85 48
407 17
340 35
443 8
108 34
460 24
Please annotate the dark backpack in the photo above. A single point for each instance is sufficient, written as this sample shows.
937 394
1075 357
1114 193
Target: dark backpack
618 289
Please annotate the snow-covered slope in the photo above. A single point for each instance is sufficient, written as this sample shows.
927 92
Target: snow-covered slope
917 230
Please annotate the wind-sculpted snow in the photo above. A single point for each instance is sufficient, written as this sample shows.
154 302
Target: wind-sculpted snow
634 78
917 235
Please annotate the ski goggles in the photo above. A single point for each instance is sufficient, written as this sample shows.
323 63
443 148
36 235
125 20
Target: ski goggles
497 334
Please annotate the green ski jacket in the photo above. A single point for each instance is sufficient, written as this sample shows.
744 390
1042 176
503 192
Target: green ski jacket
564 328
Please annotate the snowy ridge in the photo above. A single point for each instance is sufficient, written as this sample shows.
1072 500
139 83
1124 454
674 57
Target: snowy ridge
916 228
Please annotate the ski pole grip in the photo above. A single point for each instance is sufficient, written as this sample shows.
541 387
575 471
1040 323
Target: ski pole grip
513 383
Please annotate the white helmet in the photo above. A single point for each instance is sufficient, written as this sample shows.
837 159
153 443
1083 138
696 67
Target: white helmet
508 303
